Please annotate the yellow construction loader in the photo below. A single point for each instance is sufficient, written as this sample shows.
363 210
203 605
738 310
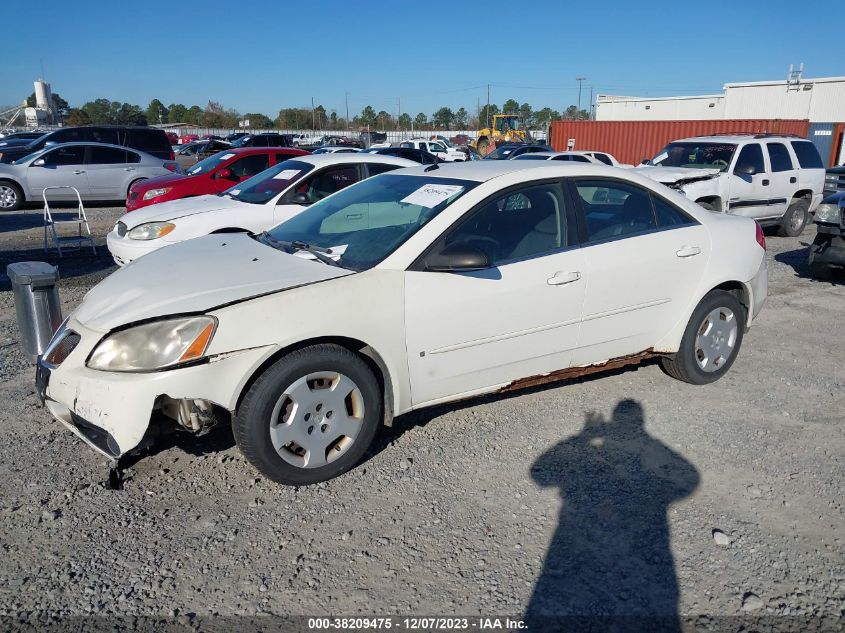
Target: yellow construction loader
506 128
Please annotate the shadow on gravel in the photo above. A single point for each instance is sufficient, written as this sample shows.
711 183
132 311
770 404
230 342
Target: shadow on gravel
75 263
797 260
219 439
609 566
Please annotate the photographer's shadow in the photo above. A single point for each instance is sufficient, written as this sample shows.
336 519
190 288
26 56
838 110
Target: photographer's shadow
609 566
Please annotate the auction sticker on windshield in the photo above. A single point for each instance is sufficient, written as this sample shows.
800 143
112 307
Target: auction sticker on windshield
286 174
660 157
226 156
430 195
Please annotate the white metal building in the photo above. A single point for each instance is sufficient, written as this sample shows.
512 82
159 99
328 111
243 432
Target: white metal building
819 100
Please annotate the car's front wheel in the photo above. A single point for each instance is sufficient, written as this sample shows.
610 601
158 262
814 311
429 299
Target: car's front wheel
711 340
11 196
310 416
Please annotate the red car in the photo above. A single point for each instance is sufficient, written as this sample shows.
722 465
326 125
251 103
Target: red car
188 138
213 175
172 138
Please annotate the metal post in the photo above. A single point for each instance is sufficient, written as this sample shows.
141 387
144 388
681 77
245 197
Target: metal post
488 105
579 80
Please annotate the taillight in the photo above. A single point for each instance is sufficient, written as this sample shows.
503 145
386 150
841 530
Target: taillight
761 237
171 166
172 155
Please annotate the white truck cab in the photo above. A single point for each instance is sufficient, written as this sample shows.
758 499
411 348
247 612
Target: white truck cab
439 149
775 179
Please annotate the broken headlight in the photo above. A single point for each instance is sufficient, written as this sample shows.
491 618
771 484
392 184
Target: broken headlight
152 346
828 213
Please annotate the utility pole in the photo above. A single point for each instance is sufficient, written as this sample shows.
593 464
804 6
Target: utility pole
488 105
592 110
579 80
313 126
346 94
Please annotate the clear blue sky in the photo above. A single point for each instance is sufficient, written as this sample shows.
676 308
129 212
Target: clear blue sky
260 56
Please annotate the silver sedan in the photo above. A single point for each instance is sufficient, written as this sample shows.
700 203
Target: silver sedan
97 170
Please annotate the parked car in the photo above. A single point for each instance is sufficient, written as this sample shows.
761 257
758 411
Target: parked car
444 153
571 157
306 140
341 141
834 180
827 252
512 150
188 138
149 140
213 175
172 138
211 137
265 139
335 149
777 180
409 289
192 153
19 138
97 170
409 153
368 139
234 136
256 204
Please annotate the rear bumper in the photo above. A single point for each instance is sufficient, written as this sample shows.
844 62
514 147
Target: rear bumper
759 285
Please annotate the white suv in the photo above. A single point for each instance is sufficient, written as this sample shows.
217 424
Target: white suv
775 179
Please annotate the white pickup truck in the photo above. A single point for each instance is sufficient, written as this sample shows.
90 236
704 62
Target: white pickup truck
775 179
446 154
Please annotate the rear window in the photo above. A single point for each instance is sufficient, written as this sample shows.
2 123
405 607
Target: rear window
808 155
151 141
604 158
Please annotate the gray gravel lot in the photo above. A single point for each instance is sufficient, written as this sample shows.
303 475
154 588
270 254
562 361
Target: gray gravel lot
625 493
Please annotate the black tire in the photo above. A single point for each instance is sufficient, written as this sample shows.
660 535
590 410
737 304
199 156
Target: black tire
251 423
795 219
819 270
684 365
706 205
11 196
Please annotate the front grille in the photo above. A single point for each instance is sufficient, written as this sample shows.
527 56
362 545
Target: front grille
121 229
62 349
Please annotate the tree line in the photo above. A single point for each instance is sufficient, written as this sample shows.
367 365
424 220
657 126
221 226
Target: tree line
215 115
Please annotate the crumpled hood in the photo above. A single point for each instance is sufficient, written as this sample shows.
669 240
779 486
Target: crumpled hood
672 175
164 211
194 276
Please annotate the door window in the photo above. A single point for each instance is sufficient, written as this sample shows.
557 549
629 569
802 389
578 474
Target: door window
750 160
517 225
99 155
613 209
668 215
779 157
328 181
378 168
104 135
66 136
73 155
250 165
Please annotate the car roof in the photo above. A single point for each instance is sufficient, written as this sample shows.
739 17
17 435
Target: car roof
736 138
482 171
264 150
353 157
48 148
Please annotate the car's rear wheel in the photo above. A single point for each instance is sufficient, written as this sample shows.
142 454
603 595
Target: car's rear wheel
711 340
795 219
310 416
11 196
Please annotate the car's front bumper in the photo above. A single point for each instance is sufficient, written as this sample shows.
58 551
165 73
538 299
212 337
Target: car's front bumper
111 411
123 250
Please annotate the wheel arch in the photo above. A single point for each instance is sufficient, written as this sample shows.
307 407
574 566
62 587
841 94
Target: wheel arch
365 351
806 194
17 184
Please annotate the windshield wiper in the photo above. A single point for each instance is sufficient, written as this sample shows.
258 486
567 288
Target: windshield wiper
291 247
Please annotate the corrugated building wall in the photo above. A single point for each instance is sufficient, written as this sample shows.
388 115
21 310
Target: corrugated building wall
632 141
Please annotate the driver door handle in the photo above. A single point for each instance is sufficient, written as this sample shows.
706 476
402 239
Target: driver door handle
688 251
78 171
561 278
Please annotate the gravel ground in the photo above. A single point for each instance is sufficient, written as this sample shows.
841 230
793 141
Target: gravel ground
626 493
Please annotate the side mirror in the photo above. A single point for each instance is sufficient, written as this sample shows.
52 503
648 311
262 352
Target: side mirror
300 198
38 163
458 257
226 173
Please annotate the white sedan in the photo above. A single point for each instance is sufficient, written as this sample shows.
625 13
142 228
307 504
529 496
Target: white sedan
266 199
422 286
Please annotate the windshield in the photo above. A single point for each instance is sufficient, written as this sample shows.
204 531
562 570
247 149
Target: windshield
209 164
695 155
367 221
23 159
240 141
263 186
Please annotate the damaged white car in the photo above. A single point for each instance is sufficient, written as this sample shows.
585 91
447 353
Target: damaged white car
775 179
411 288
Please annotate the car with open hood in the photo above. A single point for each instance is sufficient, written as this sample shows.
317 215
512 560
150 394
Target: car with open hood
776 179
412 288
268 198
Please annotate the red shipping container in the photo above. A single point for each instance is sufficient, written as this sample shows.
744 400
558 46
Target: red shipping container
632 141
